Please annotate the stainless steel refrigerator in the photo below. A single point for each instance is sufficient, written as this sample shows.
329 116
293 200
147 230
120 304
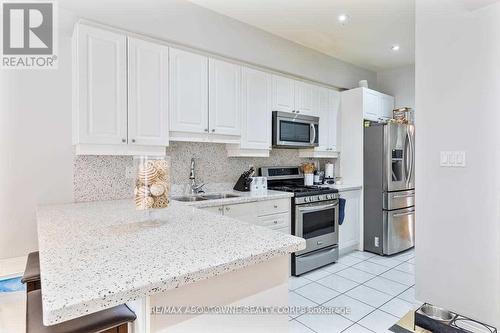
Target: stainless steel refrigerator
389 188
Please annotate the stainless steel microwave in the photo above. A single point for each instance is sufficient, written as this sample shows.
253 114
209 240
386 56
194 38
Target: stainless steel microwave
292 130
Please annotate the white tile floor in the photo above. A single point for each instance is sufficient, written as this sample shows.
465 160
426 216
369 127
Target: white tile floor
377 290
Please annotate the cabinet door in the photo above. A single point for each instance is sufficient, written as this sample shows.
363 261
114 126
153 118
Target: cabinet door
387 106
101 73
333 121
283 94
371 105
256 90
224 97
148 93
324 119
305 98
349 233
188 92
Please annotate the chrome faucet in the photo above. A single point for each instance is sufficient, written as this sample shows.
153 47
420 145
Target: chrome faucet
195 189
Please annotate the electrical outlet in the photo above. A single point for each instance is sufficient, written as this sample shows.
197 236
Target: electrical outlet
377 243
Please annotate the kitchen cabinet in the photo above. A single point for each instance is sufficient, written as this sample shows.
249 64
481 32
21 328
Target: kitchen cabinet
148 93
274 214
256 90
100 96
224 97
120 96
376 106
283 94
349 231
306 98
296 96
188 92
329 112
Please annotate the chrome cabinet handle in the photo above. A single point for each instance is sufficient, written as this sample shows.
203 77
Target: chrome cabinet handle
297 111
275 206
206 129
213 130
221 209
275 222
227 209
123 140
133 140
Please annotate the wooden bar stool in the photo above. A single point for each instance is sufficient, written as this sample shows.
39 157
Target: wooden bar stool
113 320
31 276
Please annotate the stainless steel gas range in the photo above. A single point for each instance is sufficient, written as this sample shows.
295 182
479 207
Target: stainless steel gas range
315 215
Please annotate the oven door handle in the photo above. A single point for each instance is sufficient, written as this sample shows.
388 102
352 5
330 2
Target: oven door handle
313 208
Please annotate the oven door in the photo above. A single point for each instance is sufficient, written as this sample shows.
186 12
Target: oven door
318 224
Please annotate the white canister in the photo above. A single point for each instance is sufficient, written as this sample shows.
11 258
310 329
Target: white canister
329 170
308 179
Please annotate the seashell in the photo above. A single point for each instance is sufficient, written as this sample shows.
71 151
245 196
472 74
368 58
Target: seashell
147 173
144 202
157 189
142 191
161 166
161 202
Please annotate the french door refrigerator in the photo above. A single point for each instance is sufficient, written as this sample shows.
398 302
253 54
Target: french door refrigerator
389 187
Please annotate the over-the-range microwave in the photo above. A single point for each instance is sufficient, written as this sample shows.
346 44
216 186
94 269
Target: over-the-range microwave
292 130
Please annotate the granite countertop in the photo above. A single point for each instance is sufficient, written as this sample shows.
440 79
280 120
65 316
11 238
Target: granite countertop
96 255
242 197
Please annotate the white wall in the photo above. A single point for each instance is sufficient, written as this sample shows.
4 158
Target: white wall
457 98
36 164
400 83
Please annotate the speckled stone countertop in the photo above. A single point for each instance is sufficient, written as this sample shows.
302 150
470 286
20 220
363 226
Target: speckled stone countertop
242 197
99 254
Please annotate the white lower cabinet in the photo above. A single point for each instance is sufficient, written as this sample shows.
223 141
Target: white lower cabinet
273 214
349 231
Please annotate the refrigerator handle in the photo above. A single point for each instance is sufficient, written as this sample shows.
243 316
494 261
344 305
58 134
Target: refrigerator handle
412 155
407 153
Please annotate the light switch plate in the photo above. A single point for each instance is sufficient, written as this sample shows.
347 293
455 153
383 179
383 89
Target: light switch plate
452 159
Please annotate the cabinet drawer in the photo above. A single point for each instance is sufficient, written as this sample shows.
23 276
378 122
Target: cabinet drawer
275 221
246 211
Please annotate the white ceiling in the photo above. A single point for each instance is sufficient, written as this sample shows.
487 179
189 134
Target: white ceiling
373 27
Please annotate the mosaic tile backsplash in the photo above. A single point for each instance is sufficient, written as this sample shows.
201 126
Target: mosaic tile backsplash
111 177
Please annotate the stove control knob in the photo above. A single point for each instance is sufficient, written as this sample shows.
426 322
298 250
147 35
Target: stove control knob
318 198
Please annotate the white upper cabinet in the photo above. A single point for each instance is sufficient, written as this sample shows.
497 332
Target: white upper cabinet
376 106
188 92
256 88
306 98
295 96
334 120
283 94
387 106
328 105
100 99
148 93
224 97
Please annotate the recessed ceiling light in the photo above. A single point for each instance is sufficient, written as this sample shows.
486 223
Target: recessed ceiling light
395 48
343 18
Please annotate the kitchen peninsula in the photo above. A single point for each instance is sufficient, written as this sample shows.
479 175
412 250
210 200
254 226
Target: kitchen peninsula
97 255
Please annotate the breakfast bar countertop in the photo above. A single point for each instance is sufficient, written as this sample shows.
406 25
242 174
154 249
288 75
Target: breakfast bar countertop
100 254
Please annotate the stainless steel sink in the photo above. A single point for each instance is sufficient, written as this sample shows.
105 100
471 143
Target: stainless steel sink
189 198
203 197
219 196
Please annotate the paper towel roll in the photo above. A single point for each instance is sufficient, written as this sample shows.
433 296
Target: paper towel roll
328 170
